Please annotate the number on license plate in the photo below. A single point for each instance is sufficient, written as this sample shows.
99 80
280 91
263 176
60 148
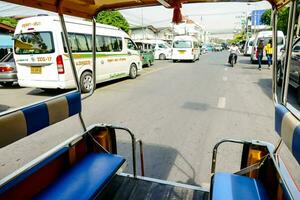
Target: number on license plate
36 70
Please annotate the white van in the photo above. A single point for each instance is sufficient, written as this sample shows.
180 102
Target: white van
43 62
162 50
185 48
266 36
248 46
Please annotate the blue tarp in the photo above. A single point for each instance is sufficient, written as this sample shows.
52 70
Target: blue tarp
6 42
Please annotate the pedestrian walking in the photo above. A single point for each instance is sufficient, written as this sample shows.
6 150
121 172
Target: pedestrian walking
269 51
260 53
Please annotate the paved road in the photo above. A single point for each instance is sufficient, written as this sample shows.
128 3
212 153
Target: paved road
180 110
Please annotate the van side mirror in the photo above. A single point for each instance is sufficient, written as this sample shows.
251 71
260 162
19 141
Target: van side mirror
282 49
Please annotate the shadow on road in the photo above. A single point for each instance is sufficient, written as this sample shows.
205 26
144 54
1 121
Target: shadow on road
14 86
158 161
47 92
55 92
266 86
4 107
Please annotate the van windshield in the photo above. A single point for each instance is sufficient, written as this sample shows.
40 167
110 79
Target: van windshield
182 44
34 43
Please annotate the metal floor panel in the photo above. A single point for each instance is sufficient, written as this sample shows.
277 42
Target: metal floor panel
122 188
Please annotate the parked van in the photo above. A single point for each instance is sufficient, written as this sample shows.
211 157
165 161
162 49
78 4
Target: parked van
43 61
248 46
162 50
185 48
266 36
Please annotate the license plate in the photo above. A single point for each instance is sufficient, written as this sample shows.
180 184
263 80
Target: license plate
36 70
181 52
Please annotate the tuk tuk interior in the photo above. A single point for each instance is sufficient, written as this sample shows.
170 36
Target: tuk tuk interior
87 165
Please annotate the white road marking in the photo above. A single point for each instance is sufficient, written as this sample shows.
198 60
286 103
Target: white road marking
225 78
226 68
221 102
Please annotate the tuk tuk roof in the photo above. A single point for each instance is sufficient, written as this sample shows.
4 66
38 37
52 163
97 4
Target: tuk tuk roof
89 8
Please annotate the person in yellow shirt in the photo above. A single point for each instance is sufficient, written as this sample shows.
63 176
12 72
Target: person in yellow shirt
269 51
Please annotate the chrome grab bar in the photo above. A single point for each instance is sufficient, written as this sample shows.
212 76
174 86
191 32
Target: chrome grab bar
215 151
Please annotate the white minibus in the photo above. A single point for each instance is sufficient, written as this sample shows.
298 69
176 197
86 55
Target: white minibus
185 48
248 46
266 36
43 61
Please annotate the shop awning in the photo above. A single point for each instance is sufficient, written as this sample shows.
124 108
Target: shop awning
6 41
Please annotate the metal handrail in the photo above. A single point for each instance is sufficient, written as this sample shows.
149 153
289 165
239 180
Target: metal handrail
288 50
94 60
133 145
274 63
215 151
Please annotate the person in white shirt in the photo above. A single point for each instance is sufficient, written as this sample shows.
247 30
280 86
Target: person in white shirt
234 51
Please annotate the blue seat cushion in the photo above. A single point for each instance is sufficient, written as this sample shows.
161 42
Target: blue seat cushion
228 186
85 178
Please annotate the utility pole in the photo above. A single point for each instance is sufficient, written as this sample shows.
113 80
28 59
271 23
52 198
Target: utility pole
142 13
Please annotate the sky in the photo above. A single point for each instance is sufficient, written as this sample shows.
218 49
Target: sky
214 17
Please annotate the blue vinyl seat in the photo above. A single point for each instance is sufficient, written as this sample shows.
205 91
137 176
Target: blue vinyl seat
85 179
228 186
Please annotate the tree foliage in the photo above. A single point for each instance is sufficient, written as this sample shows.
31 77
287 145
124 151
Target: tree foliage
282 19
238 37
8 21
114 18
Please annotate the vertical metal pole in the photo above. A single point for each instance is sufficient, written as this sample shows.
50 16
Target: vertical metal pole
94 54
288 50
65 37
274 47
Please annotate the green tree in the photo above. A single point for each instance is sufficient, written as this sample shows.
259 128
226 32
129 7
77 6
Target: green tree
282 19
8 21
114 18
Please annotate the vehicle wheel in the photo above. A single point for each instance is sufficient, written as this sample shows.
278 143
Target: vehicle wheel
86 82
174 61
7 84
279 75
162 56
133 71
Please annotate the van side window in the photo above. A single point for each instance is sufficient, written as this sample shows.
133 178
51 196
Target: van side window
89 42
296 48
99 43
82 43
116 44
73 43
107 44
130 44
162 46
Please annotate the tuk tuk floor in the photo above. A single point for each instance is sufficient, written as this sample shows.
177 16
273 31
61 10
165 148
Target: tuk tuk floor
126 187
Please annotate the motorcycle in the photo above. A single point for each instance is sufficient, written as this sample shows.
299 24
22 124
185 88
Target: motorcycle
232 59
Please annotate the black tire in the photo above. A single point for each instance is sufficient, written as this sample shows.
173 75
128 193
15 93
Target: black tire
133 71
174 61
86 82
279 75
162 56
7 84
